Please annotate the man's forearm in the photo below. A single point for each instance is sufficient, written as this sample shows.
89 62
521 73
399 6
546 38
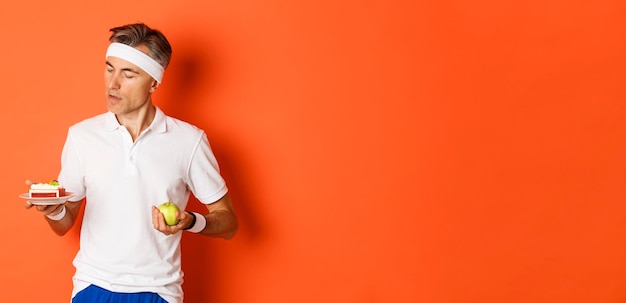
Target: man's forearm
62 225
221 223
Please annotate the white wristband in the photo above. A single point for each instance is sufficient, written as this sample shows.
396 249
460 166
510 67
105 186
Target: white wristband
200 223
58 216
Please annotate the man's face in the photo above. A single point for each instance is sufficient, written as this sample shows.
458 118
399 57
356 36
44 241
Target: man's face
128 87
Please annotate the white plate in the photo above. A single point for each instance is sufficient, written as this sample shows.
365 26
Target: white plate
47 200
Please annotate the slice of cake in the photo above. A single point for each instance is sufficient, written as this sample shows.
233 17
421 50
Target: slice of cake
51 189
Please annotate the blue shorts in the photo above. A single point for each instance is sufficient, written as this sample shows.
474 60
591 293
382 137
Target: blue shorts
95 294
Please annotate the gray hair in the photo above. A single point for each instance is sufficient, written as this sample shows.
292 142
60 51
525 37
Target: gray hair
140 34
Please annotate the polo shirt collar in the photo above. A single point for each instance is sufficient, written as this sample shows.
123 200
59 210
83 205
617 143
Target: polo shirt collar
158 124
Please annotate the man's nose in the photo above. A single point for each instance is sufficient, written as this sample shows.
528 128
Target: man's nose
113 82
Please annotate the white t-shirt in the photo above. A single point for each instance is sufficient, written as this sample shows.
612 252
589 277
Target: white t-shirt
119 248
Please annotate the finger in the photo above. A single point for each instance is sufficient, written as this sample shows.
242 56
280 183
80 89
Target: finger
184 219
45 209
181 224
160 222
155 217
28 204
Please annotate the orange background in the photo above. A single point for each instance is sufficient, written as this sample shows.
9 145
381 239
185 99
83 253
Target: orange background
376 151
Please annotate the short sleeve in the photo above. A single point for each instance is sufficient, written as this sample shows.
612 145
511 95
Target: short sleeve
205 180
70 176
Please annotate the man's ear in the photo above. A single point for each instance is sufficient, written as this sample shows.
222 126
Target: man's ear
154 86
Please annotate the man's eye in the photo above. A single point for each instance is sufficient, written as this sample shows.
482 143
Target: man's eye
128 75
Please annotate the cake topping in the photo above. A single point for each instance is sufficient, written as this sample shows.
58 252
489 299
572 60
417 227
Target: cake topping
54 184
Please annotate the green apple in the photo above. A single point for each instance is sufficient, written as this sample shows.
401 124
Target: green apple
169 209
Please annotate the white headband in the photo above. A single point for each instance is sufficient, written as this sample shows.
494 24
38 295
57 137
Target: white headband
136 57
